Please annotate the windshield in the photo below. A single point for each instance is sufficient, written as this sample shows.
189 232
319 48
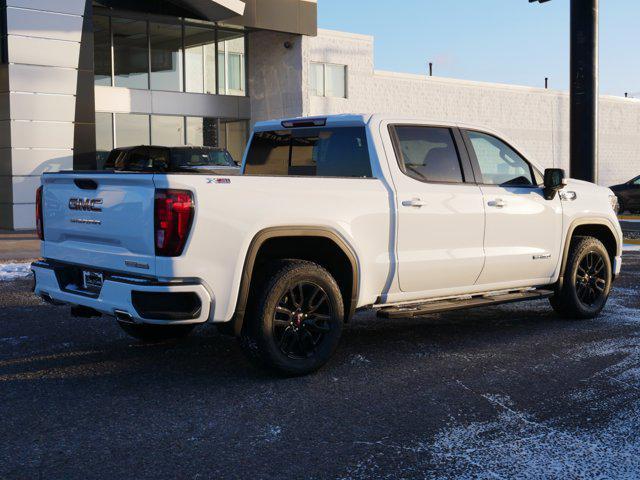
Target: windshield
201 157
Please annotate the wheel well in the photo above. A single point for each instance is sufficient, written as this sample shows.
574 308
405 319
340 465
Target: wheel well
602 233
321 250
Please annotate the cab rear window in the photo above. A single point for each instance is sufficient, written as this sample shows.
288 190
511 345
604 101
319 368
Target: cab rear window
321 152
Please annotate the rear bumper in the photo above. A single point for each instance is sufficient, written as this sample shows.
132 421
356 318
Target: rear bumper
120 294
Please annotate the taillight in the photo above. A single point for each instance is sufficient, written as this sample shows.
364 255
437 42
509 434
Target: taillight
39 222
173 218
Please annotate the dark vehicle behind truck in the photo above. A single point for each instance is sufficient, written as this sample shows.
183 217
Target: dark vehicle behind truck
152 159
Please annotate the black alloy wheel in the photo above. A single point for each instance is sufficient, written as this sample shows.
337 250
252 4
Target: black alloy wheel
295 317
301 320
591 279
587 280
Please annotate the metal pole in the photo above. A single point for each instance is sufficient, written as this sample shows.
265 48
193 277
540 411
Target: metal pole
584 90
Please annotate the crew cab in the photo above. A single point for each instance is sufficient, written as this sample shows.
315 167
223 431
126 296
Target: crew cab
329 216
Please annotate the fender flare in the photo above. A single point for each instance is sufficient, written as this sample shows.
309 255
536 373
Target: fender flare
291 231
572 228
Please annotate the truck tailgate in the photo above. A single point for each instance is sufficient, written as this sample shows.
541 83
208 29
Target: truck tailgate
104 221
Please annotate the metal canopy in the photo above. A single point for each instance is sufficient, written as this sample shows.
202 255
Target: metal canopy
212 10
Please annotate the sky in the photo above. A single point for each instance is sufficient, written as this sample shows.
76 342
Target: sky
505 41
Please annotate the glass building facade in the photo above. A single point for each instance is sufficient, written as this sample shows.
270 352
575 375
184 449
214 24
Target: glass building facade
169 55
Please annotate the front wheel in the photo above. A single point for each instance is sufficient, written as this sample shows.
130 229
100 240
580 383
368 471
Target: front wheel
587 280
295 322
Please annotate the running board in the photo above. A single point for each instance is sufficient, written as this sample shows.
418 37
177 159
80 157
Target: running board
439 306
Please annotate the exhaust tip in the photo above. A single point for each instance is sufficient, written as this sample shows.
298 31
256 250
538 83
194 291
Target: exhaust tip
123 317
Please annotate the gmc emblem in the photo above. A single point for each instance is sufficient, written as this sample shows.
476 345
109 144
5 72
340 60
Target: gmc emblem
86 204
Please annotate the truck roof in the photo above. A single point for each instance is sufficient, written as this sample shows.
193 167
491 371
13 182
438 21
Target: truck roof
360 119
357 119
343 120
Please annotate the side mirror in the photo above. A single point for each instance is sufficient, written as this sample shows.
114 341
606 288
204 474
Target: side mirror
554 181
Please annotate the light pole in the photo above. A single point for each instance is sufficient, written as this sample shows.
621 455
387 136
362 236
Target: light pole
584 89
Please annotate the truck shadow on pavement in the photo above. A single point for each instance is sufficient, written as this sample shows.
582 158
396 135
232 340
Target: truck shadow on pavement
44 343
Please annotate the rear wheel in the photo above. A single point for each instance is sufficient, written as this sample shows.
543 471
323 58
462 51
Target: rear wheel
156 333
295 323
587 280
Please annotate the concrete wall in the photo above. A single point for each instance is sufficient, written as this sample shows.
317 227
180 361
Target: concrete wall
537 120
275 75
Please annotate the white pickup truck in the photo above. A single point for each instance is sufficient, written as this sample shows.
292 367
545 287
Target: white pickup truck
330 216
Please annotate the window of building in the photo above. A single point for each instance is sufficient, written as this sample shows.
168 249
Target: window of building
202 131
499 163
166 56
132 129
130 53
328 80
231 63
181 57
104 137
102 50
428 154
200 59
323 152
317 79
167 131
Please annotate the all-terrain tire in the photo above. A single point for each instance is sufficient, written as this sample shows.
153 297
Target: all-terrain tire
587 281
282 327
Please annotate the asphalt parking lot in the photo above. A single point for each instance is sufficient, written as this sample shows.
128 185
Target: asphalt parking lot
502 392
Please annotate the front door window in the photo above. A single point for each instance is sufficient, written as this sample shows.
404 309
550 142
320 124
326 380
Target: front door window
499 163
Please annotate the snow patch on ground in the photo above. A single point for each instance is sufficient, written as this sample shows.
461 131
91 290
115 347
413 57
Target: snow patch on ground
359 359
517 446
13 271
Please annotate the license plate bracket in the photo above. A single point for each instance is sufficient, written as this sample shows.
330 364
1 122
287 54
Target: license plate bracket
92 281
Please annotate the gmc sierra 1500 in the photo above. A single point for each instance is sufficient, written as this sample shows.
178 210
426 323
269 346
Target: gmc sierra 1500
330 215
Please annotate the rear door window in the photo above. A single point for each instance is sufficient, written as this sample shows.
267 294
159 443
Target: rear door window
321 152
428 154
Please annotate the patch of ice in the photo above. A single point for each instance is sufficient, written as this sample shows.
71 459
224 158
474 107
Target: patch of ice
13 341
273 433
13 271
359 359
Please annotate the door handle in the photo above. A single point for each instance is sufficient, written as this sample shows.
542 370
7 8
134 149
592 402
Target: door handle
497 203
414 202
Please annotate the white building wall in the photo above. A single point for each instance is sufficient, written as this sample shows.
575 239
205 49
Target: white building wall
537 120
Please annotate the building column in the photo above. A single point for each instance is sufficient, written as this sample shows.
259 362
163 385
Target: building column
48 111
